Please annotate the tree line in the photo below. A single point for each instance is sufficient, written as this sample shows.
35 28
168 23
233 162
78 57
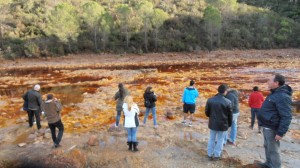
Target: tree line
40 28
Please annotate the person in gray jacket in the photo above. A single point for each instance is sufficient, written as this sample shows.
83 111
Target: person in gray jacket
53 109
34 100
120 96
233 96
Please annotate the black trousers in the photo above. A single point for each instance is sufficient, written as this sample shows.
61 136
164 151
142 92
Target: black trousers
31 114
60 126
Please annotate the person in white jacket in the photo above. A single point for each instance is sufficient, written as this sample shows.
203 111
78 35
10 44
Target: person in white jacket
131 122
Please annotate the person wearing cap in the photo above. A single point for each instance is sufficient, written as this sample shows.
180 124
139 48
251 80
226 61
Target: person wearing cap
52 111
34 100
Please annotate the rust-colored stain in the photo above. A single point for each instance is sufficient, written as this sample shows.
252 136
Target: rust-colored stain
87 93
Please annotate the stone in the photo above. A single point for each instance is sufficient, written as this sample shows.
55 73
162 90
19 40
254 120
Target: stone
170 115
22 145
77 125
31 138
93 140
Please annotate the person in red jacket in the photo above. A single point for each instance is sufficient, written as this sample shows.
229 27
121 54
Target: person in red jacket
255 102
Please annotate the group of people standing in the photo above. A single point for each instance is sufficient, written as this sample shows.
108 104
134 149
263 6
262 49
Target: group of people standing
273 115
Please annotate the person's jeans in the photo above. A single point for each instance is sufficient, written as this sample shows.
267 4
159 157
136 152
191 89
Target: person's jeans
214 149
118 118
131 134
233 129
153 109
272 148
35 113
254 112
60 126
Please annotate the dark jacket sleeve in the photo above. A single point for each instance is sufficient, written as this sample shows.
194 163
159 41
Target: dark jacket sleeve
207 110
117 95
229 110
284 107
40 101
25 98
58 106
154 98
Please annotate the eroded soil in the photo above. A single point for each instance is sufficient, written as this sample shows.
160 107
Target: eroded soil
86 84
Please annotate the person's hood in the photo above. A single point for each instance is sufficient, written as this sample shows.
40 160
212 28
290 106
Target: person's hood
233 91
284 88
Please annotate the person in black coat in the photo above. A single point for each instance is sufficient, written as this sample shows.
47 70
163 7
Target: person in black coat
219 111
149 103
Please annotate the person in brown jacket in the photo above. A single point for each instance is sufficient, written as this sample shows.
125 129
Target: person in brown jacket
52 111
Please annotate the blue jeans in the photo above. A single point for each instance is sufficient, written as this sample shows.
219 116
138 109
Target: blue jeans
214 149
272 148
153 109
131 137
254 112
233 129
118 118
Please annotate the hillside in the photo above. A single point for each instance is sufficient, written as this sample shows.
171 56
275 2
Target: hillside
35 28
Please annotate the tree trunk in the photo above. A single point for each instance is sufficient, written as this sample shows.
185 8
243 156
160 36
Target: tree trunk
211 36
127 37
95 38
156 32
1 37
146 37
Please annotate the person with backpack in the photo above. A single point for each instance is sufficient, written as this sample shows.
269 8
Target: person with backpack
120 96
131 122
53 107
189 97
149 102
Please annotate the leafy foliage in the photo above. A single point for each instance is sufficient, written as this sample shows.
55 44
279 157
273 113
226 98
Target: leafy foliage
35 28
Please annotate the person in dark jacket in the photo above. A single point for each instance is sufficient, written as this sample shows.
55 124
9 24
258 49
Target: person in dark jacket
189 97
219 111
52 111
120 96
233 96
255 102
150 99
34 99
275 117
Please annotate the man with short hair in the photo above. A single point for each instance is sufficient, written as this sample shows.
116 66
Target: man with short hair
255 102
219 111
34 100
52 111
275 117
189 97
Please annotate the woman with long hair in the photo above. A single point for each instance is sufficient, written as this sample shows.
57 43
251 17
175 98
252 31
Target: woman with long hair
150 99
131 122
120 96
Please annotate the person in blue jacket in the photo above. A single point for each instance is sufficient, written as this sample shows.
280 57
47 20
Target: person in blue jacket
189 97
275 117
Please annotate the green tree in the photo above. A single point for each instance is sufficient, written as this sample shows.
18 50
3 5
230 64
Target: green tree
92 12
123 12
64 23
158 19
106 24
145 10
212 19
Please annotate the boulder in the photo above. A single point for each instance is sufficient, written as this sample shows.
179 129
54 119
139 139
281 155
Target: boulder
170 115
93 140
22 145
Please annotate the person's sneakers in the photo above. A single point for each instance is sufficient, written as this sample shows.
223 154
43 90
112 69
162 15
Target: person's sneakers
262 165
57 145
259 131
155 126
210 158
217 158
231 143
251 127
183 122
190 124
